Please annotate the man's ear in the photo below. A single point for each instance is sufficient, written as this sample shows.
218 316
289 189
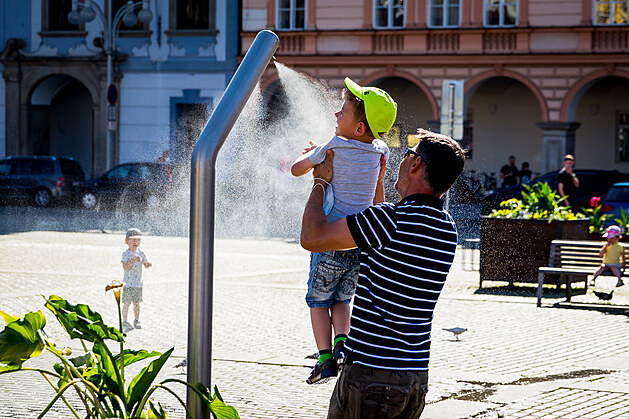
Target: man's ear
417 164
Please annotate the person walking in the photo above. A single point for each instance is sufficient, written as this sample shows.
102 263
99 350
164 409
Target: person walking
407 250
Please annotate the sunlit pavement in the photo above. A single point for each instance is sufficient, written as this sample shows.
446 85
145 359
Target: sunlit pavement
515 360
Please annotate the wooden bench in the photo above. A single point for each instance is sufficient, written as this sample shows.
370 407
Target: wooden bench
571 259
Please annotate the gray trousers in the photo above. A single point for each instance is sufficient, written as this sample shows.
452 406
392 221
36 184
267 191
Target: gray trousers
363 392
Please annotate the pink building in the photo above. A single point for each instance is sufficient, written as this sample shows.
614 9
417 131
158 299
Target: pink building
542 77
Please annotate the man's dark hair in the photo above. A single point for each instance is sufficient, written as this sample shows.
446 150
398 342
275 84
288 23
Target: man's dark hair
444 159
359 108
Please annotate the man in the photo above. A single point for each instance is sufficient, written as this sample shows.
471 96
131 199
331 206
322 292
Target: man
407 250
568 183
509 173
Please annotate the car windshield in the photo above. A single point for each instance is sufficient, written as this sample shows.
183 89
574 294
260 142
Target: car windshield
618 194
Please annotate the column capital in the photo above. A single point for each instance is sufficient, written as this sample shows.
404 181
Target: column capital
558 126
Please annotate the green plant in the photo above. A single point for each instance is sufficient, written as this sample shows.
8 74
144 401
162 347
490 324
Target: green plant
622 221
97 375
539 202
596 216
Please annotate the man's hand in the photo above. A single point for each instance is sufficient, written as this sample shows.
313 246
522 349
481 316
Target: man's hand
324 170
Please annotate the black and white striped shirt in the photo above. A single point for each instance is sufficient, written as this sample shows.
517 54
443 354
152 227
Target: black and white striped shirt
407 251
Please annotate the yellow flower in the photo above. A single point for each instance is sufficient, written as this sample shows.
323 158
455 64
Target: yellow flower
116 286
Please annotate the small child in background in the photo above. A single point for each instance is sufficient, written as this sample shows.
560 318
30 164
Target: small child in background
613 254
132 260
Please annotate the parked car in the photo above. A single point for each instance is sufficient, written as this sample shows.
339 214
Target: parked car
139 186
617 198
41 180
591 183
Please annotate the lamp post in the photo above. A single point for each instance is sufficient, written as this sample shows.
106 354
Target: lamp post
90 11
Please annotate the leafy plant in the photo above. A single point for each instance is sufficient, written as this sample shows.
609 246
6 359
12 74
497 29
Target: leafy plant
97 376
622 221
539 202
596 216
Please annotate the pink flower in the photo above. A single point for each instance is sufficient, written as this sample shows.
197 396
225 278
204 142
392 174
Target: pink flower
595 201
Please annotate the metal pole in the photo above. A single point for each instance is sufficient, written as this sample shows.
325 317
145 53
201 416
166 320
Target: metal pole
450 130
202 189
109 50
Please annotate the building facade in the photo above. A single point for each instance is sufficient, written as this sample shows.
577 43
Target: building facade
542 78
167 74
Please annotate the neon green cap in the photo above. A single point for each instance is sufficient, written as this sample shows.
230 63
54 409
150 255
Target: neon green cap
380 108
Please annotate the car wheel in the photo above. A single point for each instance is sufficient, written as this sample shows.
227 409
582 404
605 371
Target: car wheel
41 198
152 202
89 200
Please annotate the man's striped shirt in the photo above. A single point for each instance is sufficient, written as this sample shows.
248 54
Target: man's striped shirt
407 251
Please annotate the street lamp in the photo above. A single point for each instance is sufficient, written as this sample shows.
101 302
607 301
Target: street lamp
88 12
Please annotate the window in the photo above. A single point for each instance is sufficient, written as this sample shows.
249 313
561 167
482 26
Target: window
610 12
291 14
444 13
119 172
389 14
5 168
622 136
55 15
192 15
501 13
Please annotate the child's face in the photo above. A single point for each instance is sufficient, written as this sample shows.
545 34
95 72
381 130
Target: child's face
345 121
613 240
133 243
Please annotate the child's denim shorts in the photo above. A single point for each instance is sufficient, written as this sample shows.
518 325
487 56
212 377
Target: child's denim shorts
333 277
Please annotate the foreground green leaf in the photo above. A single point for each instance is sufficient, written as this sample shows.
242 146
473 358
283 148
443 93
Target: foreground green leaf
20 339
144 380
81 322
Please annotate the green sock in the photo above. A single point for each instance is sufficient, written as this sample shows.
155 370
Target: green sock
324 355
340 338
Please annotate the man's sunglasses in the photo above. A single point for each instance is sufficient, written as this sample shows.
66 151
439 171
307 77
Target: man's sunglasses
410 151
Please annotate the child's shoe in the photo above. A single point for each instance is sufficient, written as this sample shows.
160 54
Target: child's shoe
137 324
339 353
323 372
620 283
126 326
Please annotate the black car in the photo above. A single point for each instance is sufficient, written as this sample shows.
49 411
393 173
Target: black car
139 186
42 180
591 183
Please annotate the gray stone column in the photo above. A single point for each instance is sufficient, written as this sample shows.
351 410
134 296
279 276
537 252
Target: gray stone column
557 141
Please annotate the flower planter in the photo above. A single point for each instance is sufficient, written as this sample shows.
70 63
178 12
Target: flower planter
512 249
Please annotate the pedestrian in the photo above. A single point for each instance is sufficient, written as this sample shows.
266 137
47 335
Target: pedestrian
525 174
509 173
164 157
407 251
613 254
132 261
568 183
367 113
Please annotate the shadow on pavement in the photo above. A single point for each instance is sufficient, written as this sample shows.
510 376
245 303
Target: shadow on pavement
525 291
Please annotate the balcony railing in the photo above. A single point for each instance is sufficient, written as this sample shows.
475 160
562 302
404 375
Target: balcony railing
474 41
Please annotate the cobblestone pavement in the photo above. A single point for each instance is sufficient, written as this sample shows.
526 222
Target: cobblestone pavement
515 360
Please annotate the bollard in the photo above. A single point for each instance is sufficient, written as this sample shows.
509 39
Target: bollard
202 199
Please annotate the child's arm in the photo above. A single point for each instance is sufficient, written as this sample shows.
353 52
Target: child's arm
129 264
603 250
379 195
302 165
622 256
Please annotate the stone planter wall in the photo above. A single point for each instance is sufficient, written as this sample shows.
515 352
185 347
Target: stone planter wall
513 249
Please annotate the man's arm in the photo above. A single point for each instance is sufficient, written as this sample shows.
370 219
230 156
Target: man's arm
317 235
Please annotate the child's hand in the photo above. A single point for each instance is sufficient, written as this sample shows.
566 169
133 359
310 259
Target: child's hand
137 259
309 148
147 264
